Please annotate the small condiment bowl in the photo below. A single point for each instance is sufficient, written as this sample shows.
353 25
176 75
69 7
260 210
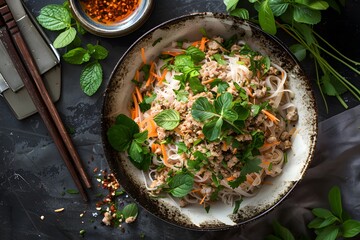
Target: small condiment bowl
118 28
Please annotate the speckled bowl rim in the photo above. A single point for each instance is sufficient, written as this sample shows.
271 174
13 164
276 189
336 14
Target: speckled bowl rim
140 196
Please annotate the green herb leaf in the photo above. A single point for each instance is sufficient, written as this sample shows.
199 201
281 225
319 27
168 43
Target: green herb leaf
299 51
351 228
141 137
282 232
124 120
97 51
306 15
223 102
135 152
237 206
266 18
202 109
278 7
91 78
195 85
182 95
167 119
196 54
77 56
119 137
319 223
240 13
54 17
212 129
230 4
317 5
72 191
130 212
328 233
181 184
181 147
334 198
146 103
322 213
65 38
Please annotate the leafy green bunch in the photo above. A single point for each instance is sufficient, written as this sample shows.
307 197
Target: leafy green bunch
59 18
328 224
297 18
125 136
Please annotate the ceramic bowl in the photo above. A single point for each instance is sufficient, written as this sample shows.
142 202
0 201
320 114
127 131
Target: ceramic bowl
118 29
118 95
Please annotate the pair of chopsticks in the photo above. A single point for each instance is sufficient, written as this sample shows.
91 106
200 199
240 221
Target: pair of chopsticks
25 65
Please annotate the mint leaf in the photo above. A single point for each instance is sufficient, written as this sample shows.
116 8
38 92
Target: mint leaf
328 233
240 13
146 103
230 4
195 85
77 56
97 51
54 17
181 184
212 129
223 102
319 223
237 206
317 5
135 152
124 120
266 18
196 54
278 7
182 95
91 78
322 213
141 137
119 137
202 109
167 119
130 212
65 38
218 59
181 147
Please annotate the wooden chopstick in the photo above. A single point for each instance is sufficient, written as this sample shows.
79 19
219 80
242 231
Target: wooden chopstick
41 97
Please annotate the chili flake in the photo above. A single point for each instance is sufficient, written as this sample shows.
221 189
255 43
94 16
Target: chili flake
109 11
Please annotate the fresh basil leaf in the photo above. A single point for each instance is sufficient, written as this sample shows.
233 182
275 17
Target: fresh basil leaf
124 120
65 38
91 78
212 129
196 54
54 17
266 18
202 109
77 56
351 228
181 184
119 137
240 13
299 51
167 119
130 212
306 15
319 223
282 232
334 198
80 28
278 7
97 51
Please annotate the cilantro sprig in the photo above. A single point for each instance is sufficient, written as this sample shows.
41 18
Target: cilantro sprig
125 136
297 18
58 18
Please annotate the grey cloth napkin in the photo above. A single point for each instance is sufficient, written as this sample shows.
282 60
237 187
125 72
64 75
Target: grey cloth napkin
336 162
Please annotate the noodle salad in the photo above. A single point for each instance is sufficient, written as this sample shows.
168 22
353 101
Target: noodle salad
209 121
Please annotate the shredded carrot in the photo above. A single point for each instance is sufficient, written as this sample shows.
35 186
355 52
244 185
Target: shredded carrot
231 178
267 145
270 116
224 146
164 153
202 43
137 75
249 179
155 75
249 92
208 81
203 199
154 147
136 107
150 126
143 57
196 190
138 94
196 43
151 77
172 53
161 79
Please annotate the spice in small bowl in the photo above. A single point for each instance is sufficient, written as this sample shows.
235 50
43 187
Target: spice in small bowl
111 18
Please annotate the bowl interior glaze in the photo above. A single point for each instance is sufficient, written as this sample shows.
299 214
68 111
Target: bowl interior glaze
220 216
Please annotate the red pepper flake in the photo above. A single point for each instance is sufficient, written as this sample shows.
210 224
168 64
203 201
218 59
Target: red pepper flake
109 11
